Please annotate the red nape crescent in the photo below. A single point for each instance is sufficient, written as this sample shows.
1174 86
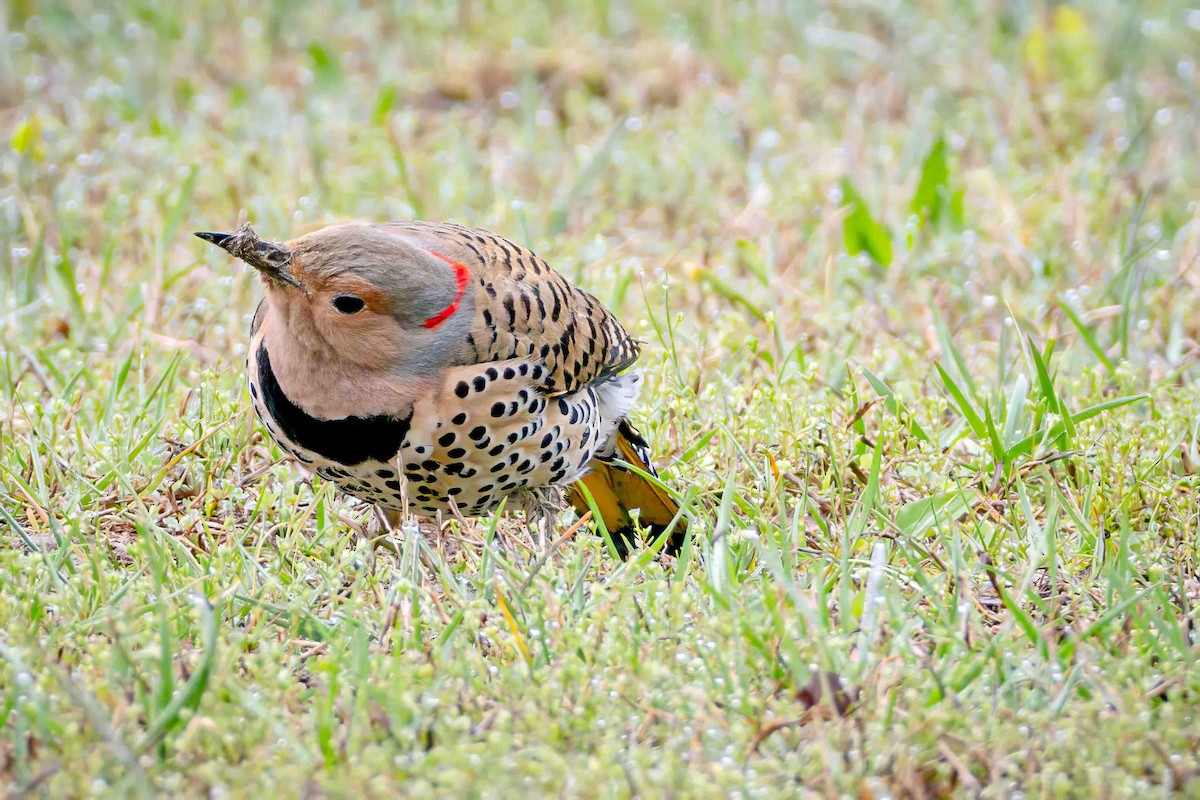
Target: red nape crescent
461 276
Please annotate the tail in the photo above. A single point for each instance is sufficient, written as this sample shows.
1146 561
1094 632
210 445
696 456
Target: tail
617 490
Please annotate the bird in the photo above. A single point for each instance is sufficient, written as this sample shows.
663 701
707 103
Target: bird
433 369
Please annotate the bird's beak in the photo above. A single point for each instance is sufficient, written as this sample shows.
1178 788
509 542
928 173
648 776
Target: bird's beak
270 258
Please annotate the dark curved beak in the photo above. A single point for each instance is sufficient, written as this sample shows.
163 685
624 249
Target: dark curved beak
272 259
218 239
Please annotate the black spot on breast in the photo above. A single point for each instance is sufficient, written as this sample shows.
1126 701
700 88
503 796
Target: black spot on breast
509 374
462 389
498 466
457 452
446 439
351 440
477 433
497 450
480 383
429 465
497 409
453 490
523 368
492 373
459 418
393 485
385 473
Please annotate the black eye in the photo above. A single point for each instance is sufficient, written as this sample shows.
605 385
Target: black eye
348 303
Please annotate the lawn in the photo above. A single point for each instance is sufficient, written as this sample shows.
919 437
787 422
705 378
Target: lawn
918 287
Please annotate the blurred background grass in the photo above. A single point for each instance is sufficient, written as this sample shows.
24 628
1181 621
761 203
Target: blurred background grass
982 214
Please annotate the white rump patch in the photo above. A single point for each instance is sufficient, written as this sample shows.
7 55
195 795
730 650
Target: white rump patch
615 398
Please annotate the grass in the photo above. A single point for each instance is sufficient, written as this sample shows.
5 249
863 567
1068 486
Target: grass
918 285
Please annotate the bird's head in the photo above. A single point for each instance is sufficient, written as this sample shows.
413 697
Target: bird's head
362 294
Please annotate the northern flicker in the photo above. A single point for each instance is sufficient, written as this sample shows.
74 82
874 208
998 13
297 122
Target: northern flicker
446 368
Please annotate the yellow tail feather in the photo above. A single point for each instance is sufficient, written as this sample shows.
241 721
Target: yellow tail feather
617 491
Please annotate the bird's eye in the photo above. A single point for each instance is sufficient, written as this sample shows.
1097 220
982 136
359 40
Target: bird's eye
348 303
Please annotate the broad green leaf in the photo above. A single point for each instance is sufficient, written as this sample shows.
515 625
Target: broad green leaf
861 232
931 200
920 516
27 137
326 69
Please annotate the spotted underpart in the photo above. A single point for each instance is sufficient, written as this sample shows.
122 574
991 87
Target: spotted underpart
489 431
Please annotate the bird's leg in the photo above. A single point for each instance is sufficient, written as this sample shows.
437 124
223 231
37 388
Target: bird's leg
383 522
542 507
